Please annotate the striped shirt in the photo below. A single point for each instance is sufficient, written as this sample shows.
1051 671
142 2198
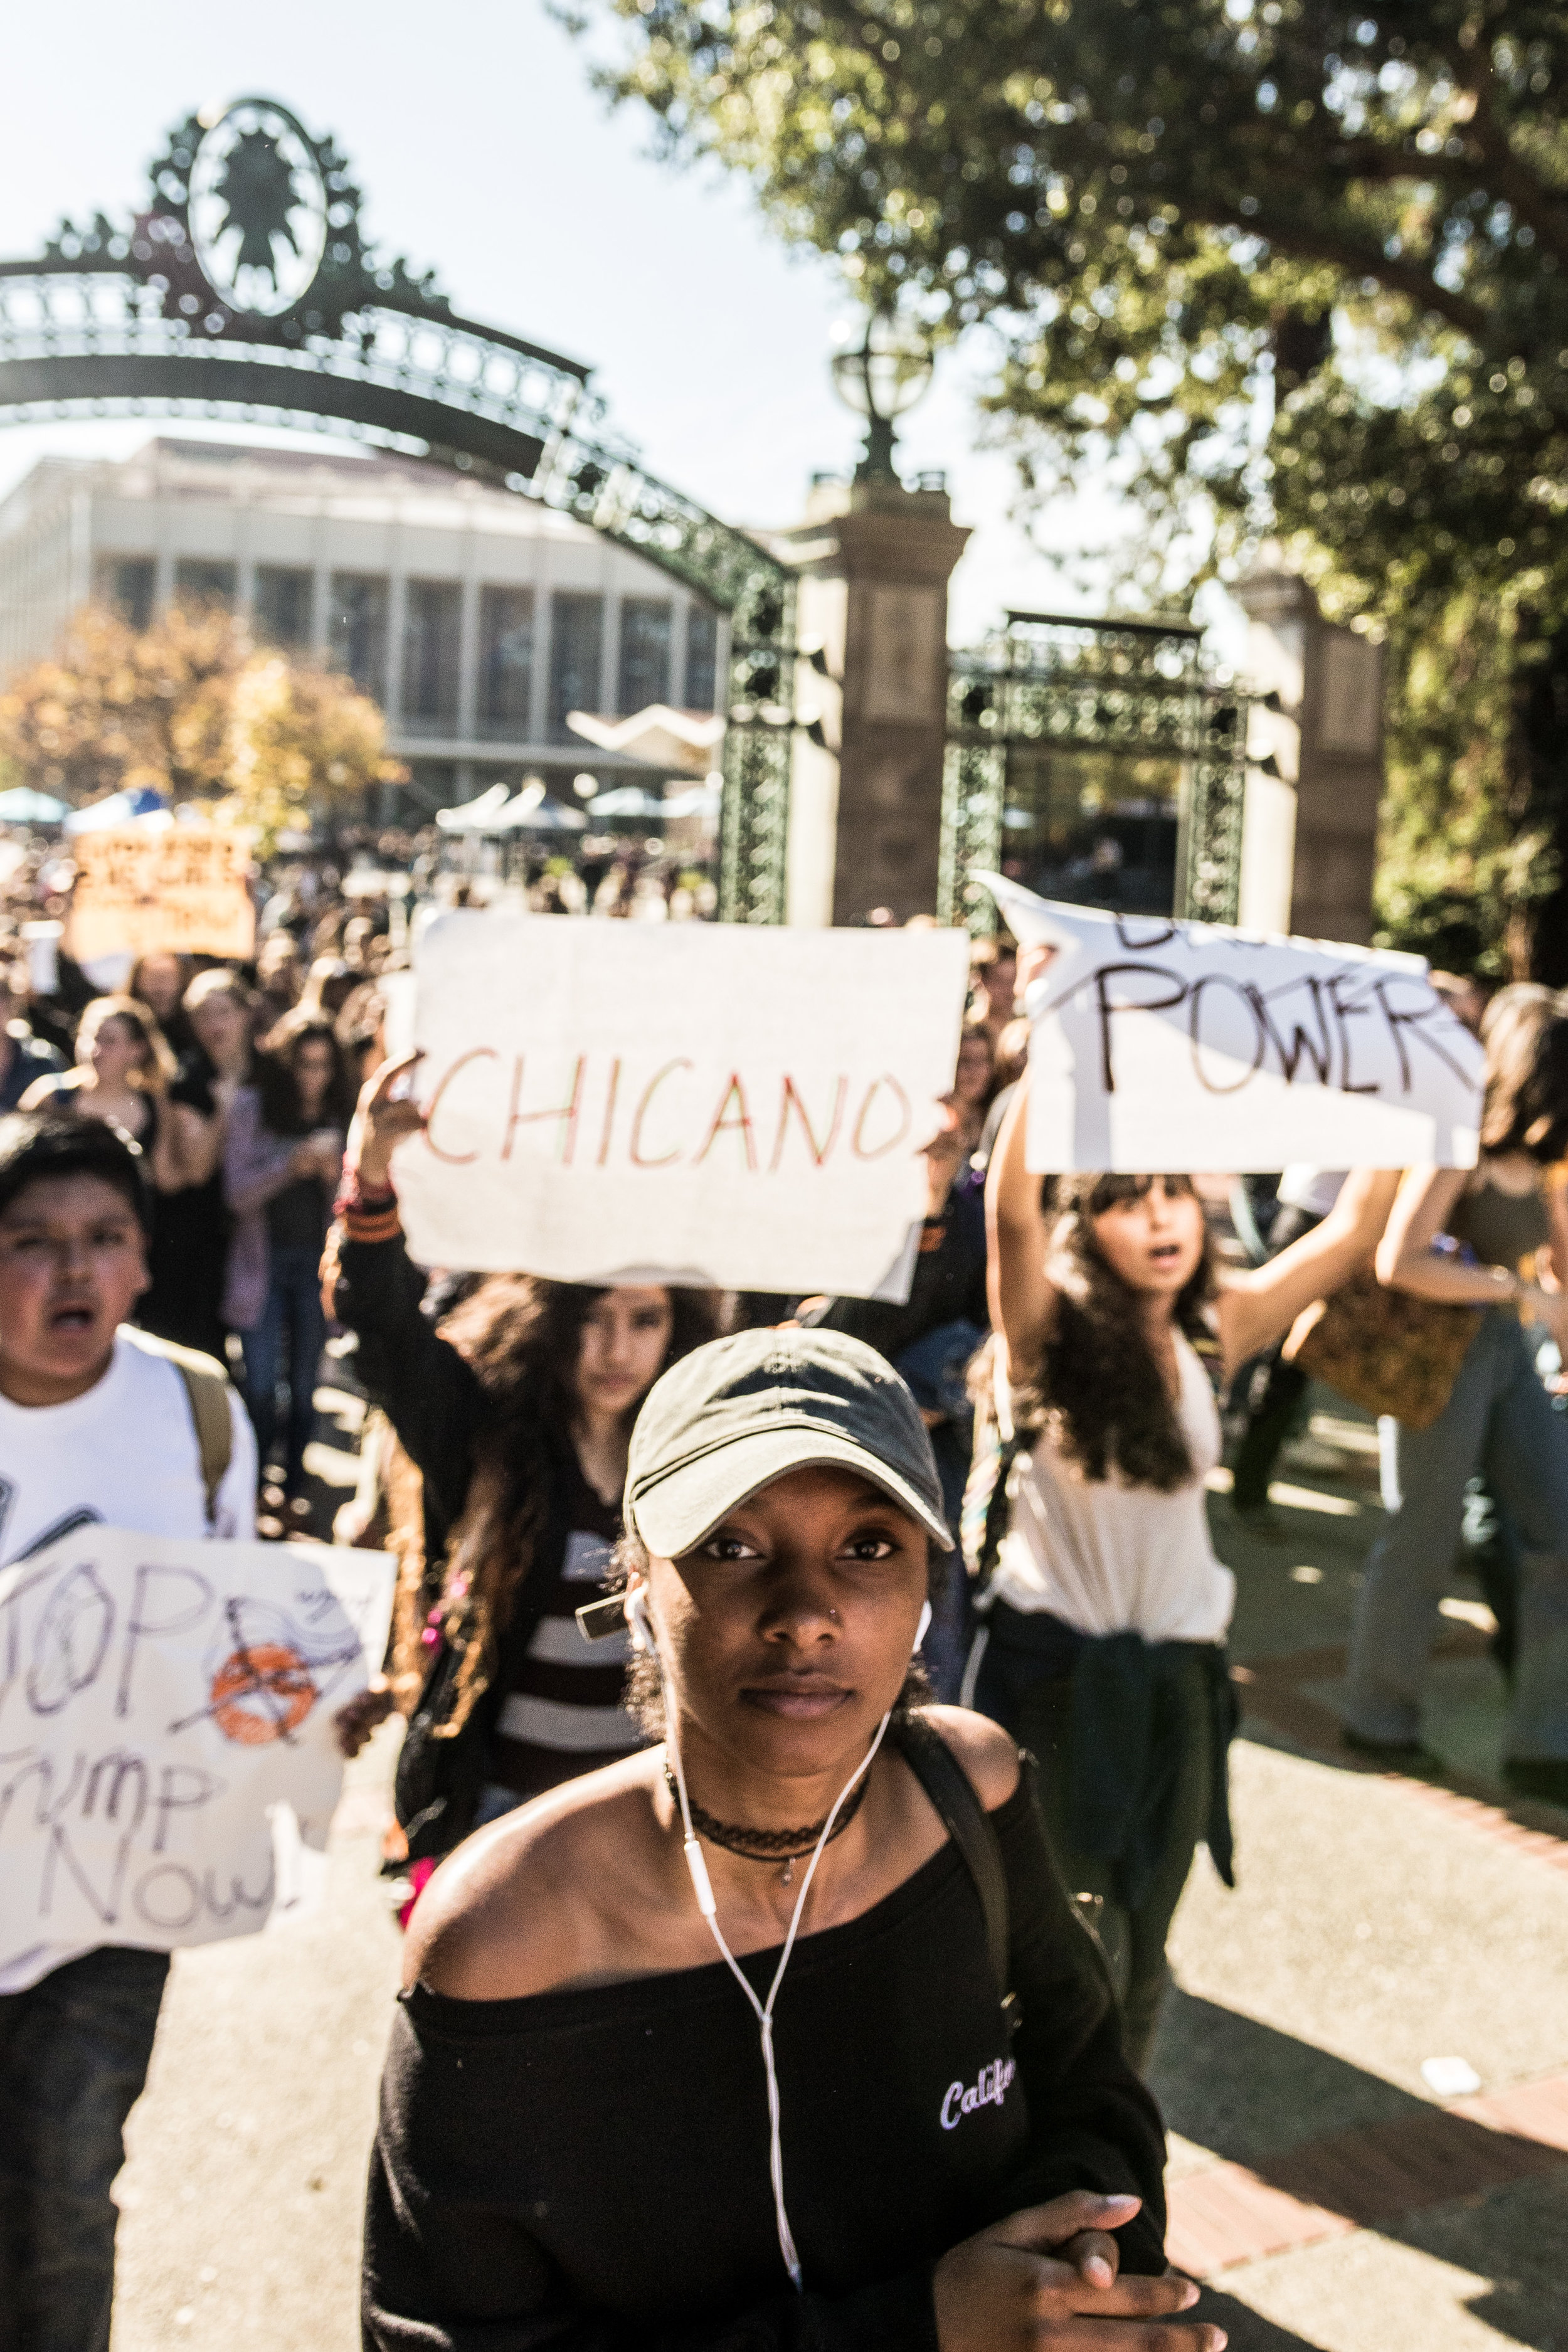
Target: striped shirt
565 1713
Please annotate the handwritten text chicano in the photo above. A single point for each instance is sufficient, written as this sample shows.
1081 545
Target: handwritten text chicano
604 1112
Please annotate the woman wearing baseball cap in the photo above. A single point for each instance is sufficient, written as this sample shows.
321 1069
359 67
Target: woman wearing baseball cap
782 2033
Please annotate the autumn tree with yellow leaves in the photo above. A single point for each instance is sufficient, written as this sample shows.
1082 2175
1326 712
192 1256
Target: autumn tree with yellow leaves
193 709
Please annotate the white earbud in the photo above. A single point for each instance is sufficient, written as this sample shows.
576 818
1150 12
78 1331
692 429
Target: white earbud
923 1628
639 1622
639 1617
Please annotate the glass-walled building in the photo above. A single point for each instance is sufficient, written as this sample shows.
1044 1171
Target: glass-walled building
477 619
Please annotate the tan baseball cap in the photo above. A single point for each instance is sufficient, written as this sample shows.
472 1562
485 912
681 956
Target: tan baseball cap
732 1417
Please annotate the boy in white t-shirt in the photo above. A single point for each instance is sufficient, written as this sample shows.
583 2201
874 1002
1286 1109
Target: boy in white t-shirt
97 1422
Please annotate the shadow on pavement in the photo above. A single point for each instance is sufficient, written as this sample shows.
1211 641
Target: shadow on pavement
1249 2092
1481 2201
1247 2330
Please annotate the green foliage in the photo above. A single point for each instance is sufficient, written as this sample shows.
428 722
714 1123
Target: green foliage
1456 867
1284 268
1152 200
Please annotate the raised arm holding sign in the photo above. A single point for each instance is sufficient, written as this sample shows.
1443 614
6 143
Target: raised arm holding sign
1107 1609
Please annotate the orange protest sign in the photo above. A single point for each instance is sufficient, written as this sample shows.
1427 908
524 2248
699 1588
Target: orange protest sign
183 888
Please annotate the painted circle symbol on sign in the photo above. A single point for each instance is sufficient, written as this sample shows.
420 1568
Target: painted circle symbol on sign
261 1692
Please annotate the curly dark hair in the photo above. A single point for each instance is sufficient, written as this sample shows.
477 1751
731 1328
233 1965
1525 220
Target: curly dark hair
1098 1387
520 1336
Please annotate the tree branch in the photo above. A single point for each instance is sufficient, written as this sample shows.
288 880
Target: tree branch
1364 261
1511 179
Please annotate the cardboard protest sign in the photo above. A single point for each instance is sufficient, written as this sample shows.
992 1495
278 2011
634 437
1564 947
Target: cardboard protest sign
182 886
1158 1045
157 1698
691 1102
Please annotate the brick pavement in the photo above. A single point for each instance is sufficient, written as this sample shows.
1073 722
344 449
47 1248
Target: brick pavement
1230 2213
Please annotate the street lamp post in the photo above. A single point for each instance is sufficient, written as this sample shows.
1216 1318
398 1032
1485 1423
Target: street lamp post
882 377
875 559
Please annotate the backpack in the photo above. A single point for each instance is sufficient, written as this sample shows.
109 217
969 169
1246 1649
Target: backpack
206 1386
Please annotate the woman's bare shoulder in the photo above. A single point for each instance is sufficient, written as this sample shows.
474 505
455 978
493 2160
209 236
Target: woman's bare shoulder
517 1908
987 1753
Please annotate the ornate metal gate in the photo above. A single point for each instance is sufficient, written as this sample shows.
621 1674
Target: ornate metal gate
245 289
1121 698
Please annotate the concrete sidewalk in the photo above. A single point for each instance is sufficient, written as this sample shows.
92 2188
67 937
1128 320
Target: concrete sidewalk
1327 2195
1330 2198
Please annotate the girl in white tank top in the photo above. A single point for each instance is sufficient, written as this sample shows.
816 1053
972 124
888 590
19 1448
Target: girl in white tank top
1107 1607
1109 1557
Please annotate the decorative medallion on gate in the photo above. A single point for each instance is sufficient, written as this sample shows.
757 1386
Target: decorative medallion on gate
256 209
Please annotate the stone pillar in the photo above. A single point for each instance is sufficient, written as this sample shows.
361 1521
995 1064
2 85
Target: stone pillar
1325 740
874 561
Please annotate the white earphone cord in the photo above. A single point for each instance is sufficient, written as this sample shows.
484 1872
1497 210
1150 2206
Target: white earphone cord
707 1905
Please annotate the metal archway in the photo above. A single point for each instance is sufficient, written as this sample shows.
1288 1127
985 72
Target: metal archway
245 289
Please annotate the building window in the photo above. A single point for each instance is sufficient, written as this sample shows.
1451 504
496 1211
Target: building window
125 583
506 663
357 629
198 581
702 657
576 642
645 653
283 601
432 640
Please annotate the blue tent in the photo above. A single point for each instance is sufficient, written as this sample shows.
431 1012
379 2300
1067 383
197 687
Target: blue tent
119 808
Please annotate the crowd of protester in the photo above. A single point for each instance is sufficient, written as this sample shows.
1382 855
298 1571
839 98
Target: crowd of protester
236 1081
1018 1521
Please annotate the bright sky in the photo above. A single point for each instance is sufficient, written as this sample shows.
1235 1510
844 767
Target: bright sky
482 149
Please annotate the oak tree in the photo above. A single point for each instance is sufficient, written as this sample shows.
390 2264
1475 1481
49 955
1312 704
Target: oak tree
1284 268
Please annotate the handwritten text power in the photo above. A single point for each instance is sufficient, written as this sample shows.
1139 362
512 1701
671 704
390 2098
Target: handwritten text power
1304 1028
596 1111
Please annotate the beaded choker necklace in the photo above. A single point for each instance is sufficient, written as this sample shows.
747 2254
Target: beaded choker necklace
788 1846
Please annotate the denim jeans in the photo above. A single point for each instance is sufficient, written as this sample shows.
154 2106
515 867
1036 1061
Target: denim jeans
1499 1423
74 2050
289 1337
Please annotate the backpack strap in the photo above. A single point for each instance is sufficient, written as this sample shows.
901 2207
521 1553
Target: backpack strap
965 1818
206 1386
